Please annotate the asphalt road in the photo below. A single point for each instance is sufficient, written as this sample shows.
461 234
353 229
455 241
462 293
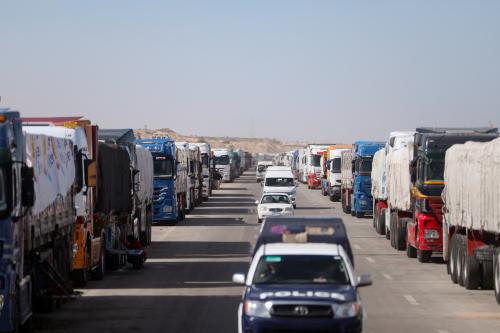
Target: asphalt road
186 286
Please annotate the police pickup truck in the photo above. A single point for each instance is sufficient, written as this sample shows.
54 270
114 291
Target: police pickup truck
301 287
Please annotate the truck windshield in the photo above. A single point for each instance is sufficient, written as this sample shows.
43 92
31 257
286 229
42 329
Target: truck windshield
3 199
434 170
301 269
163 166
365 165
336 163
204 160
280 182
222 160
316 160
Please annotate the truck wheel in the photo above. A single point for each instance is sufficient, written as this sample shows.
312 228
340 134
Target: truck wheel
401 233
460 259
374 220
392 236
453 259
423 255
344 209
487 276
360 214
259 220
472 273
381 222
353 212
411 252
496 275
99 272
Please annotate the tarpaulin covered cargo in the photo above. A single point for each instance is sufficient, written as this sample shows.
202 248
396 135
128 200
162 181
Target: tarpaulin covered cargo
398 181
472 185
114 179
53 162
346 169
145 176
379 190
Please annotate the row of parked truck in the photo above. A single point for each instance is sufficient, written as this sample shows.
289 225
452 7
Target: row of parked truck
77 201
431 192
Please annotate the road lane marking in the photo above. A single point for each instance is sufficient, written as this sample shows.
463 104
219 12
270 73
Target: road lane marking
411 299
387 277
370 260
357 247
442 331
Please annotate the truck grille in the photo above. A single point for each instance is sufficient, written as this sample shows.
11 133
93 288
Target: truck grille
275 210
302 311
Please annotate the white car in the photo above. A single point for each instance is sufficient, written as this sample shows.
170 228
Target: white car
274 204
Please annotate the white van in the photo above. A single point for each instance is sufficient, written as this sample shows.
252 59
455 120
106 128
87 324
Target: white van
280 180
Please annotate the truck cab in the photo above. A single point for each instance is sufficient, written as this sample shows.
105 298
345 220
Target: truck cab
424 230
165 203
362 201
261 170
224 163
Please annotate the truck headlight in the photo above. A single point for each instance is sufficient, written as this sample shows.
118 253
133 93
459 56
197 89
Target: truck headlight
346 310
431 234
288 209
257 309
262 208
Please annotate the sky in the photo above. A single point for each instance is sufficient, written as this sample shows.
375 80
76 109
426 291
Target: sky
322 71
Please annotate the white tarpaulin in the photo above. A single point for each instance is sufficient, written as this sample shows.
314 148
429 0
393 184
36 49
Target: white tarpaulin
398 180
472 185
53 162
145 176
379 190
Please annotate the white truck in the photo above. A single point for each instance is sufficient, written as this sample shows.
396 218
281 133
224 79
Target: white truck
471 224
261 169
314 152
206 168
182 179
223 158
280 180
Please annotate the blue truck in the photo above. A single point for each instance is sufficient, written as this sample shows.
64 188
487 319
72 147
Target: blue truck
169 196
362 201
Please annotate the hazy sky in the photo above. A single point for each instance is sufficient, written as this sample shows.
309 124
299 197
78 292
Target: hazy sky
308 70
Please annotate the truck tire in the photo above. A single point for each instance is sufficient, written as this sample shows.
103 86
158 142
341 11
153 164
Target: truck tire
381 222
453 259
472 272
353 212
487 282
496 275
411 252
393 228
323 191
401 233
100 270
423 256
374 219
460 260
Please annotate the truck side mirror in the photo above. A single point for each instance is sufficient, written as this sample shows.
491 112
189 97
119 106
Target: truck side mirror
91 173
27 187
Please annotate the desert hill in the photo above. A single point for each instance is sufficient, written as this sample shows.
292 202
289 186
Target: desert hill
252 145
